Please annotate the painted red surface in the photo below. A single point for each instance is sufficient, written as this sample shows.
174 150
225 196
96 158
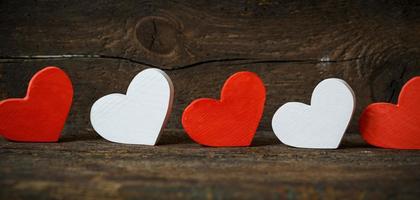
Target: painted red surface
394 126
40 116
234 119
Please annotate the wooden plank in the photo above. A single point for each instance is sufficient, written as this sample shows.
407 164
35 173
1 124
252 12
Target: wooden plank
182 33
371 45
284 82
86 167
292 45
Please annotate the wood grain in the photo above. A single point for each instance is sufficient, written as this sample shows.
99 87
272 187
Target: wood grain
291 45
94 168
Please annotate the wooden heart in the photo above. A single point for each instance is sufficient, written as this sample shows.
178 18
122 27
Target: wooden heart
138 117
321 124
41 115
234 119
394 126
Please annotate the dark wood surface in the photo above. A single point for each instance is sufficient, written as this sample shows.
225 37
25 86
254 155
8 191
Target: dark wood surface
292 45
179 169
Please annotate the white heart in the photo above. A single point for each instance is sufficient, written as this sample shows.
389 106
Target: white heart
139 116
320 125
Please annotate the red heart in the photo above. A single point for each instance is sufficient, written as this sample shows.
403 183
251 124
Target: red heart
40 116
394 126
233 120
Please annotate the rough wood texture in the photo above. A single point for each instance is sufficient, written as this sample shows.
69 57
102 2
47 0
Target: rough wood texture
97 169
292 45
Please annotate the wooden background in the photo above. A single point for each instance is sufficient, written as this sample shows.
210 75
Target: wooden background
292 45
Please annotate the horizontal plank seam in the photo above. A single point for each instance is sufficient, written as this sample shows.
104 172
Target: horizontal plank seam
12 59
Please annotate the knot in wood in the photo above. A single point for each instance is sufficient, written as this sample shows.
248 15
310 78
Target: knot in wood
157 34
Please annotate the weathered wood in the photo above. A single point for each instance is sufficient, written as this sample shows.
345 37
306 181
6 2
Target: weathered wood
372 45
292 45
94 168
181 33
284 82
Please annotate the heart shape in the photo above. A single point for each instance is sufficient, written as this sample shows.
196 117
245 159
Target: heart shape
139 116
394 126
41 115
319 125
234 119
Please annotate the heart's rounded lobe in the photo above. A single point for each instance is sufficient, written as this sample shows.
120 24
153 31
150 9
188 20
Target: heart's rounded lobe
41 115
231 121
394 126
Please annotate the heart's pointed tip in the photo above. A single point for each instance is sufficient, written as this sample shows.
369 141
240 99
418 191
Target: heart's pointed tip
205 142
130 142
36 140
221 143
224 146
312 147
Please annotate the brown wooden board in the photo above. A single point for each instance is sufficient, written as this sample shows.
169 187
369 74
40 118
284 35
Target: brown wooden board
96 169
292 45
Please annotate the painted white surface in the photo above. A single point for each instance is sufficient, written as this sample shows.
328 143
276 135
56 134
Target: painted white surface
320 125
139 116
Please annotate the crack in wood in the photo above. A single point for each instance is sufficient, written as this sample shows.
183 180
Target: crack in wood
241 61
153 36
